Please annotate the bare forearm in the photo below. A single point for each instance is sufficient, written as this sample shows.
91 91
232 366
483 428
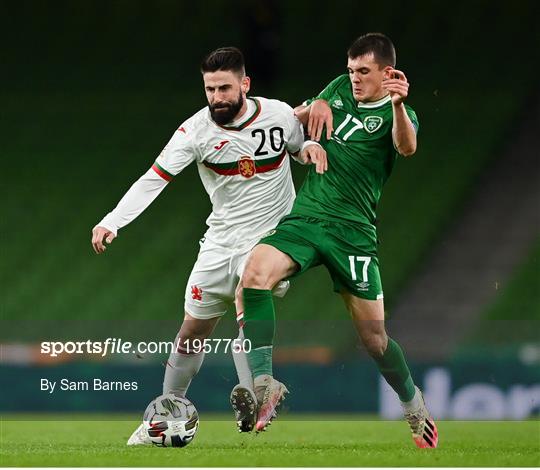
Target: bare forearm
302 113
403 131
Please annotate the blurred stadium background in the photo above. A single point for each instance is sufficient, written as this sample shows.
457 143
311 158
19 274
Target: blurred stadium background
92 90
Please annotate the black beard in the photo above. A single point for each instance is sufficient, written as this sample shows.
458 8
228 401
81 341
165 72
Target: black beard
225 113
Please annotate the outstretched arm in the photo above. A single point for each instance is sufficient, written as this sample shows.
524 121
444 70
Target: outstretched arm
134 202
177 154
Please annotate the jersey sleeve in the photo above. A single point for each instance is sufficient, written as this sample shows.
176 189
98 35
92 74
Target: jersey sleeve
413 117
135 201
328 91
179 152
294 132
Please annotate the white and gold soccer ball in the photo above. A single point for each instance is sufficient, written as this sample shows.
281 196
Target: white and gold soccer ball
171 421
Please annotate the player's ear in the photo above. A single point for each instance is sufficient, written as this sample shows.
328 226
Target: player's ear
387 72
245 84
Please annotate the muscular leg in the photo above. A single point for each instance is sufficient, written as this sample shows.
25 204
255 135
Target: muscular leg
265 267
368 319
183 363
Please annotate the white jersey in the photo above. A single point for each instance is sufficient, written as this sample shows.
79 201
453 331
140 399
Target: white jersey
244 167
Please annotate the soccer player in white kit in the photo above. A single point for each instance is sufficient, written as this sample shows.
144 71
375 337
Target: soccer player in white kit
241 146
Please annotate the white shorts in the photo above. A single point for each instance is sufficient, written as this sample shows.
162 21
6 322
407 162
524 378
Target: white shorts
211 287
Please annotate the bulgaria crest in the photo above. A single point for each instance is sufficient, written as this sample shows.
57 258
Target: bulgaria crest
246 167
372 123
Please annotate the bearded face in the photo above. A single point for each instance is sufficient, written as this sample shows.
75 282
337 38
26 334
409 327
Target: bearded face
224 112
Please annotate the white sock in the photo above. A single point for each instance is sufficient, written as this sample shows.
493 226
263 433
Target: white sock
414 404
241 363
179 371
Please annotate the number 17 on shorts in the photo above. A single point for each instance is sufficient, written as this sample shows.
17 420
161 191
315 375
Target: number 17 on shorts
365 279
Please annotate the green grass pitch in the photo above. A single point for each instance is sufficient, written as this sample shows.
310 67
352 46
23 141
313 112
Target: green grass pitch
292 441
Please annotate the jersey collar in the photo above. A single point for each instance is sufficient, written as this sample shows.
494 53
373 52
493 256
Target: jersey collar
248 120
374 104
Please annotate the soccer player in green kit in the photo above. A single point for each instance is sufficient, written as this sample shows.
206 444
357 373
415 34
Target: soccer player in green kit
333 223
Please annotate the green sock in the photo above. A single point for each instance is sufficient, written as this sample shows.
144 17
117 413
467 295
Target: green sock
259 326
394 369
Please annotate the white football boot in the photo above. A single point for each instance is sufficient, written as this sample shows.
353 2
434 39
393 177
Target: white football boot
139 437
270 393
423 428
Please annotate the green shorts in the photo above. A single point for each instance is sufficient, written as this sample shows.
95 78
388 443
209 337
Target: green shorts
348 250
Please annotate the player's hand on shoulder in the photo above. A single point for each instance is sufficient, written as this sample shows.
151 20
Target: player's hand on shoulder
315 154
396 83
100 235
320 116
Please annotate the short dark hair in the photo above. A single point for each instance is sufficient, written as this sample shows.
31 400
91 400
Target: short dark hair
224 58
377 43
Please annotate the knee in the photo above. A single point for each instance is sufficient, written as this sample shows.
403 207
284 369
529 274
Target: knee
255 277
375 344
186 335
265 267
193 329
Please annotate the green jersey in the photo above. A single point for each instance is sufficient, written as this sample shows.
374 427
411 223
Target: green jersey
361 155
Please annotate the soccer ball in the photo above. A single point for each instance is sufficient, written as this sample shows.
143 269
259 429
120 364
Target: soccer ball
171 421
